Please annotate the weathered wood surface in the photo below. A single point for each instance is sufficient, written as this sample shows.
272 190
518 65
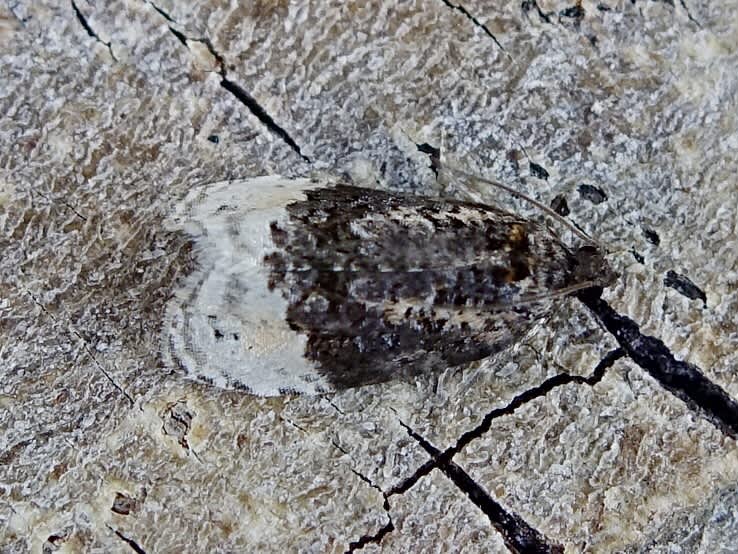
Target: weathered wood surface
113 110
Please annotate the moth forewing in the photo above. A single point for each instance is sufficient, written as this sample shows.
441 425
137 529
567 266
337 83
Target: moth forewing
593 270
311 285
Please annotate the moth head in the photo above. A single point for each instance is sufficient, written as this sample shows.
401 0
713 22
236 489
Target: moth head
592 266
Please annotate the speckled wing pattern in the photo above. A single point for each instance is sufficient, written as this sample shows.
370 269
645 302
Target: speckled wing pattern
307 286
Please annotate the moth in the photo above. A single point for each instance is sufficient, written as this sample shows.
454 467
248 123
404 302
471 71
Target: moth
314 285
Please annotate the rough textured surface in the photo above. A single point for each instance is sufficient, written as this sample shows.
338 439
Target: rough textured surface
113 111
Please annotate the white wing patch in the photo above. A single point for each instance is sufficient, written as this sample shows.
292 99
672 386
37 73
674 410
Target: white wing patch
224 326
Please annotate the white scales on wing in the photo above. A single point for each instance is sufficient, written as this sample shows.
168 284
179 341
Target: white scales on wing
225 326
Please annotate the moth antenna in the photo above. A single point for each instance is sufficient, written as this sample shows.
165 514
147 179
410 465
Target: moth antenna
559 292
531 298
581 234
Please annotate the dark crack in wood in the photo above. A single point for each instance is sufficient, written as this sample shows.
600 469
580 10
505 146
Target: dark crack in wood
90 31
130 542
539 391
364 540
684 286
238 92
180 37
433 153
527 5
54 541
520 400
651 236
575 12
162 13
538 170
592 193
261 114
517 534
460 8
335 407
63 203
560 206
689 14
375 538
684 380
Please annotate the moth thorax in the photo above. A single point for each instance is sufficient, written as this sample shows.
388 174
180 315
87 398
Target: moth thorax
592 266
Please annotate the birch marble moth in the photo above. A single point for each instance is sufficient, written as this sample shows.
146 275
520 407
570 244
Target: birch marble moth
315 285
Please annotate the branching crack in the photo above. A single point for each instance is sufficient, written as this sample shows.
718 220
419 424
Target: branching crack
460 8
130 542
517 534
374 538
85 345
241 94
63 202
87 27
520 400
682 379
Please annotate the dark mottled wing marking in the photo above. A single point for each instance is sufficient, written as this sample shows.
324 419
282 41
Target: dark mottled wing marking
389 286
